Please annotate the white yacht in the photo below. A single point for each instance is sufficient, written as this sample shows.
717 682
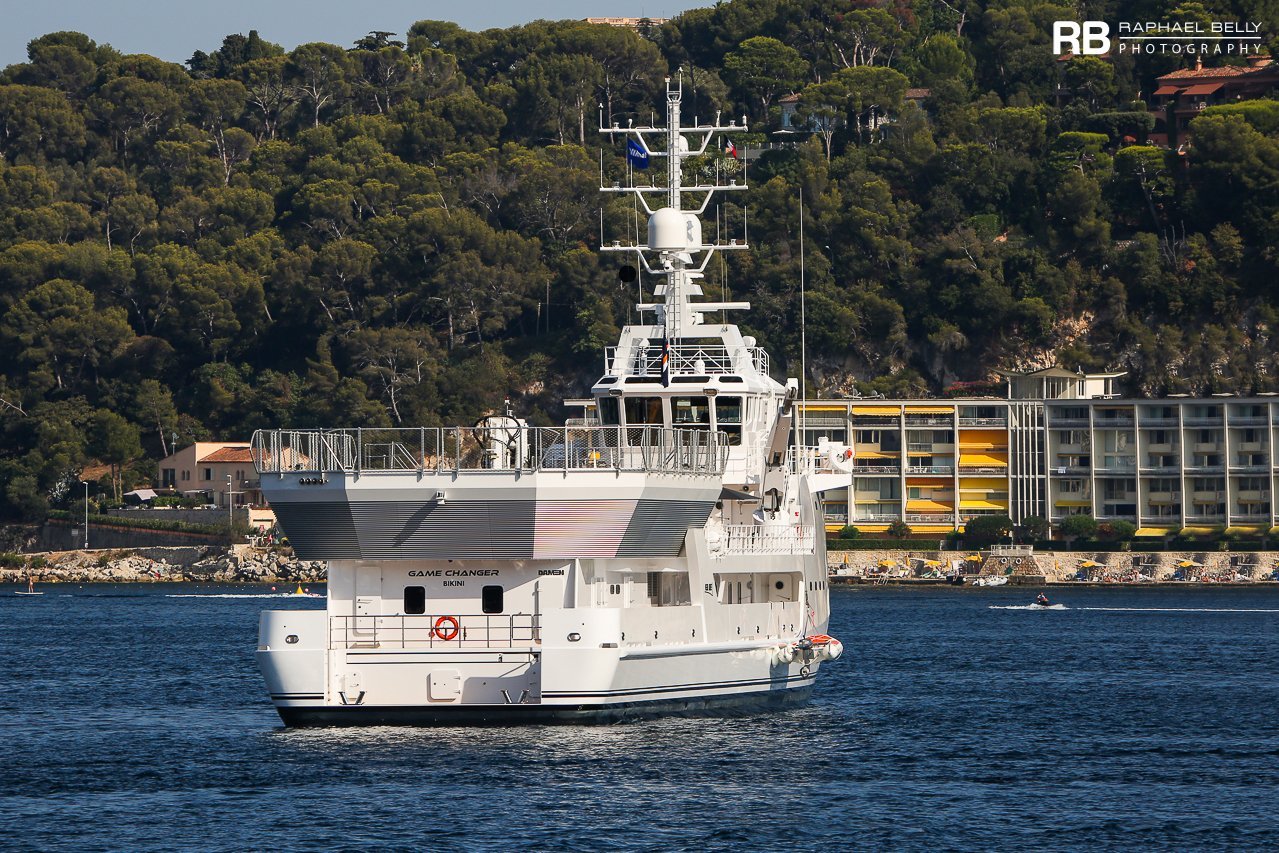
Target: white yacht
662 556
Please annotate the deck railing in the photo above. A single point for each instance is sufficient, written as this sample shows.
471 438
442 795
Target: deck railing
741 539
450 449
429 631
709 360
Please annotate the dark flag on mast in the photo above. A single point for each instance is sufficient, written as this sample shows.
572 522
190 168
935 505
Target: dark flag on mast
666 362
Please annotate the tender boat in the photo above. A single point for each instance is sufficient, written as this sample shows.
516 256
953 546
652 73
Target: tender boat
664 556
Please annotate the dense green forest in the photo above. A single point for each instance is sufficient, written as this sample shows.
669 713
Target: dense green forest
403 231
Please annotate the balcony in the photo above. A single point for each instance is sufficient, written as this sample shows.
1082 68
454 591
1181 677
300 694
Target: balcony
1163 498
876 517
877 469
1055 422
1253 496
1202 420
928 420
930 469
1251 447
1250 467
1207 497
1155 423
1249 420
930 518
1206 447
1163 447
983 422
1071 469
943 447
1072 449
1160 468
1117 466
1113 423
983 469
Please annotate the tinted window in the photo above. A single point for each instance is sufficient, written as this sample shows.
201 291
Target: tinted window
414 600
491 599
608 410
643 410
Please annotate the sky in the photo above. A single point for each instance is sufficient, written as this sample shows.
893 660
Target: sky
174 29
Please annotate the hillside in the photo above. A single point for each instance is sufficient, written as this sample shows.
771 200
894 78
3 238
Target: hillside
403 231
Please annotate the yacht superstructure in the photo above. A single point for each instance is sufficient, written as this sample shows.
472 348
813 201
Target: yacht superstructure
664 557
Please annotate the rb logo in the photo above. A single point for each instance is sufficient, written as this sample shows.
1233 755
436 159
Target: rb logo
1093 38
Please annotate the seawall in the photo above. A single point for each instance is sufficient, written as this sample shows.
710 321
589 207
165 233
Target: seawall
238 564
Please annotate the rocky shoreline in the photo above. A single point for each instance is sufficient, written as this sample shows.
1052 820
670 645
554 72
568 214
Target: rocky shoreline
239 564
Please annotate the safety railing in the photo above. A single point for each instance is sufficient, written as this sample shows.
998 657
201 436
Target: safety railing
450 449
742 539
686 359
443 631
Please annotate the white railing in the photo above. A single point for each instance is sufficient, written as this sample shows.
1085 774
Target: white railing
687 359
741 539
442 631
450 449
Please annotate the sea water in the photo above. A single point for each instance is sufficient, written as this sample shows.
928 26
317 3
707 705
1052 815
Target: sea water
133 717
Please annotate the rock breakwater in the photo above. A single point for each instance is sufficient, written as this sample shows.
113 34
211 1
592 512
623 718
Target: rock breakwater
240 564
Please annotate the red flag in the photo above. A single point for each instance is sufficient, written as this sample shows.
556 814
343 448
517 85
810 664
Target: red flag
730 150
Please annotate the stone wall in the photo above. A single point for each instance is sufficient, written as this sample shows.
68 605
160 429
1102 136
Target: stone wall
241 564
1111 566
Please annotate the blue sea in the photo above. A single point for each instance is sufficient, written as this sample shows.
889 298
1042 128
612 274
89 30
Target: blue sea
133 718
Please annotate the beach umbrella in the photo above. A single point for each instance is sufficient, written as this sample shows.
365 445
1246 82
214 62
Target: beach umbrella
1090 564
887 564
932 564
1186 564
973 558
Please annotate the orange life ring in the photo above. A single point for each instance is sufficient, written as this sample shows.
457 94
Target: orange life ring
847 454
448 633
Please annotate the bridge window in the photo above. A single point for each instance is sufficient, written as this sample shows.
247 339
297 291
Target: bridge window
728 418
414 600
691 411
608 410
643 410
491 599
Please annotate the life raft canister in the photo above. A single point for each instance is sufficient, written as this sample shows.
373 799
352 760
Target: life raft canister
446 627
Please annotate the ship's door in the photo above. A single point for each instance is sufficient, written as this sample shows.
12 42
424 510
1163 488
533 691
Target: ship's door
368 599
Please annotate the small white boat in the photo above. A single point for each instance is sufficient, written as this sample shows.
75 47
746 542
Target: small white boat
990 581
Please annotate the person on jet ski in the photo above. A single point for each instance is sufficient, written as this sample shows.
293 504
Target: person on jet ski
1042 600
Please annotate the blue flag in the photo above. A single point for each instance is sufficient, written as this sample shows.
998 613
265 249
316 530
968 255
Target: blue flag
636 155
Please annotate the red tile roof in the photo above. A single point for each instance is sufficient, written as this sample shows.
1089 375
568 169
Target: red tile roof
230 454
912 94
1200 73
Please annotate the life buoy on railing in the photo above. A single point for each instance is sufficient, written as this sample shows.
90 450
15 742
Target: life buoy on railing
446 628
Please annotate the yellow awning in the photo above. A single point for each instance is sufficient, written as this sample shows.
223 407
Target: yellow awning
1152 532
931 528
987 483
808 407
1274 530
1200 531
918 505
983 459
1244 529
1073 502
882 411
973 504
873 454
930 410
865 527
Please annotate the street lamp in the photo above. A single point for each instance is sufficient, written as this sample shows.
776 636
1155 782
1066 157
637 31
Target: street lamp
85 483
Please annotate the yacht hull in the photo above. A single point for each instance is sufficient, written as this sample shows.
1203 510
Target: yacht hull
725 705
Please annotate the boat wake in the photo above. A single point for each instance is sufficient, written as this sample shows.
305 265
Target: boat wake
246 595
1030 607
1181 609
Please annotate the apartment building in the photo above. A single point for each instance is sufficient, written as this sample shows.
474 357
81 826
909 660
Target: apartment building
1058 443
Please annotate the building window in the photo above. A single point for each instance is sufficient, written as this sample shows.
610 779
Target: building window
168 477
414 600
491 599
208 474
